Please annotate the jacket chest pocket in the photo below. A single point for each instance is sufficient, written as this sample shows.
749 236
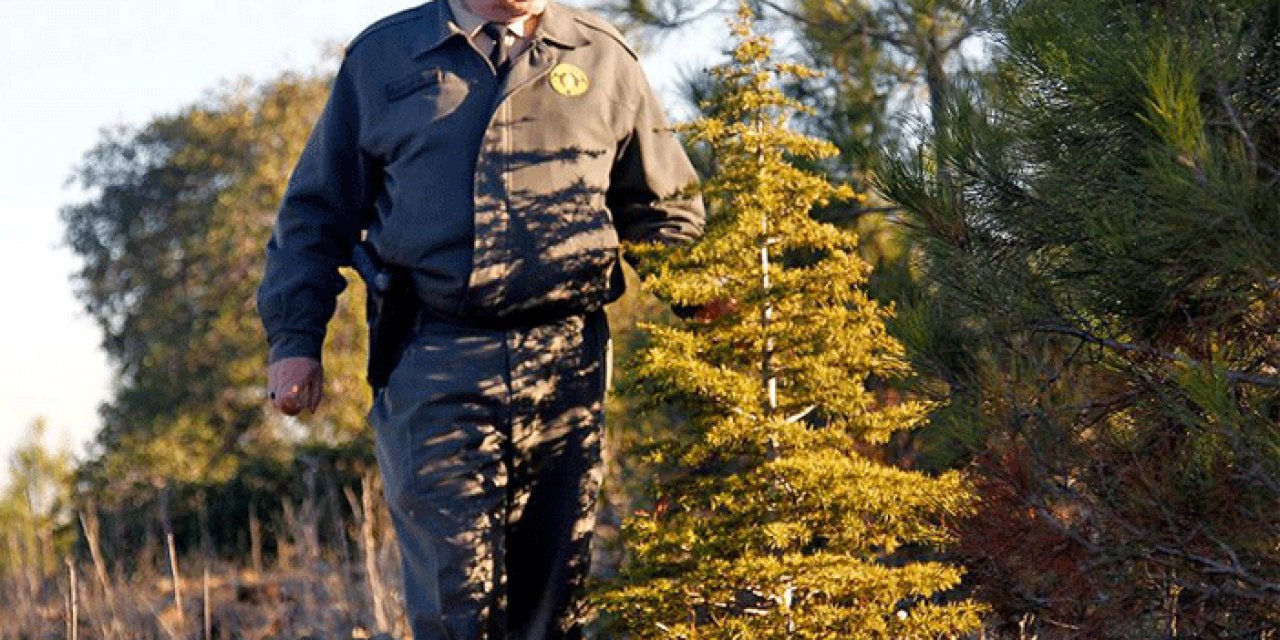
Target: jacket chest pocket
428 95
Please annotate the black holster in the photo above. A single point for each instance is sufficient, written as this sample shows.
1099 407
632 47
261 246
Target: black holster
391 309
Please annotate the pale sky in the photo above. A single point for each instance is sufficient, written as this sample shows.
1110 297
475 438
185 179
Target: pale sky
71 67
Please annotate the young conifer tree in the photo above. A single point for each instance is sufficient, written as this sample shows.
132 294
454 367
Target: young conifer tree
777 520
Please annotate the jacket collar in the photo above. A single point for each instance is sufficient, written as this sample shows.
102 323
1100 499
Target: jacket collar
439 27
556 25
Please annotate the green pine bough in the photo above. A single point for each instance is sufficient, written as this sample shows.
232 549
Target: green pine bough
775 516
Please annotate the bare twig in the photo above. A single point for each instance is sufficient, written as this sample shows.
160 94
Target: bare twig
1266 590
797 417
208 607
73 620
89 523
177 581
363 510
1250 148
255 543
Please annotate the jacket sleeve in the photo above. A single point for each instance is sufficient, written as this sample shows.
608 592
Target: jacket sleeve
326 203
652 192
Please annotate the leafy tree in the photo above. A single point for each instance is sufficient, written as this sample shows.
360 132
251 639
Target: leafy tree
34 508
171 239
1105 301
779 520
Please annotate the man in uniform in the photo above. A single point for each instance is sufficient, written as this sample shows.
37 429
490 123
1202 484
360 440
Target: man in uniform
492 153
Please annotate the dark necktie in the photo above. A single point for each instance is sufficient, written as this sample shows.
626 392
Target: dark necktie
500 56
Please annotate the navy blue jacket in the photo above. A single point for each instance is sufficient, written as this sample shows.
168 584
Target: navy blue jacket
501 196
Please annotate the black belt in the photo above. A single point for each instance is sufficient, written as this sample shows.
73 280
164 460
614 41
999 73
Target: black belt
520 320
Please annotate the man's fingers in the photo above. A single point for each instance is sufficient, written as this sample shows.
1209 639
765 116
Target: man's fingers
312 388
286 399
300 397
288 405
315 389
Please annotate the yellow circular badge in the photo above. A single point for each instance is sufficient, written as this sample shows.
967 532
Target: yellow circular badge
569 80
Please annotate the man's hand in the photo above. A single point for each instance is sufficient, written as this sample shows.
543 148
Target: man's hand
295 385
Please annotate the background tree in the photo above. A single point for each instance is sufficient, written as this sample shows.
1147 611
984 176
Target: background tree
35 508
779 520
1104 297
171 240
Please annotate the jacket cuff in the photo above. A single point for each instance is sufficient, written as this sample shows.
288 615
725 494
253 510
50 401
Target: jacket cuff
295 344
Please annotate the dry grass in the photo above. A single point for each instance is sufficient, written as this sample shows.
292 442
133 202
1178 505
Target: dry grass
339 591
321 600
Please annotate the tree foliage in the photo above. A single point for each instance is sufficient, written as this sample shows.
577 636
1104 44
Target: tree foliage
35 506
1104 295
779 519
171 237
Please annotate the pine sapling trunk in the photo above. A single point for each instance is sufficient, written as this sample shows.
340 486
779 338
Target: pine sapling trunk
768 380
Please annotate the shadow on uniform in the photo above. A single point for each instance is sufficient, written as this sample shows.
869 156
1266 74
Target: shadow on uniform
489 431
543 254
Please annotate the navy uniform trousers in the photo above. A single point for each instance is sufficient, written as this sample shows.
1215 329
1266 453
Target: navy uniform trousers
489 445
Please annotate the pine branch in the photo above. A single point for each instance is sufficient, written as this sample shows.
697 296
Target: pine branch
1250 147
1232 376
